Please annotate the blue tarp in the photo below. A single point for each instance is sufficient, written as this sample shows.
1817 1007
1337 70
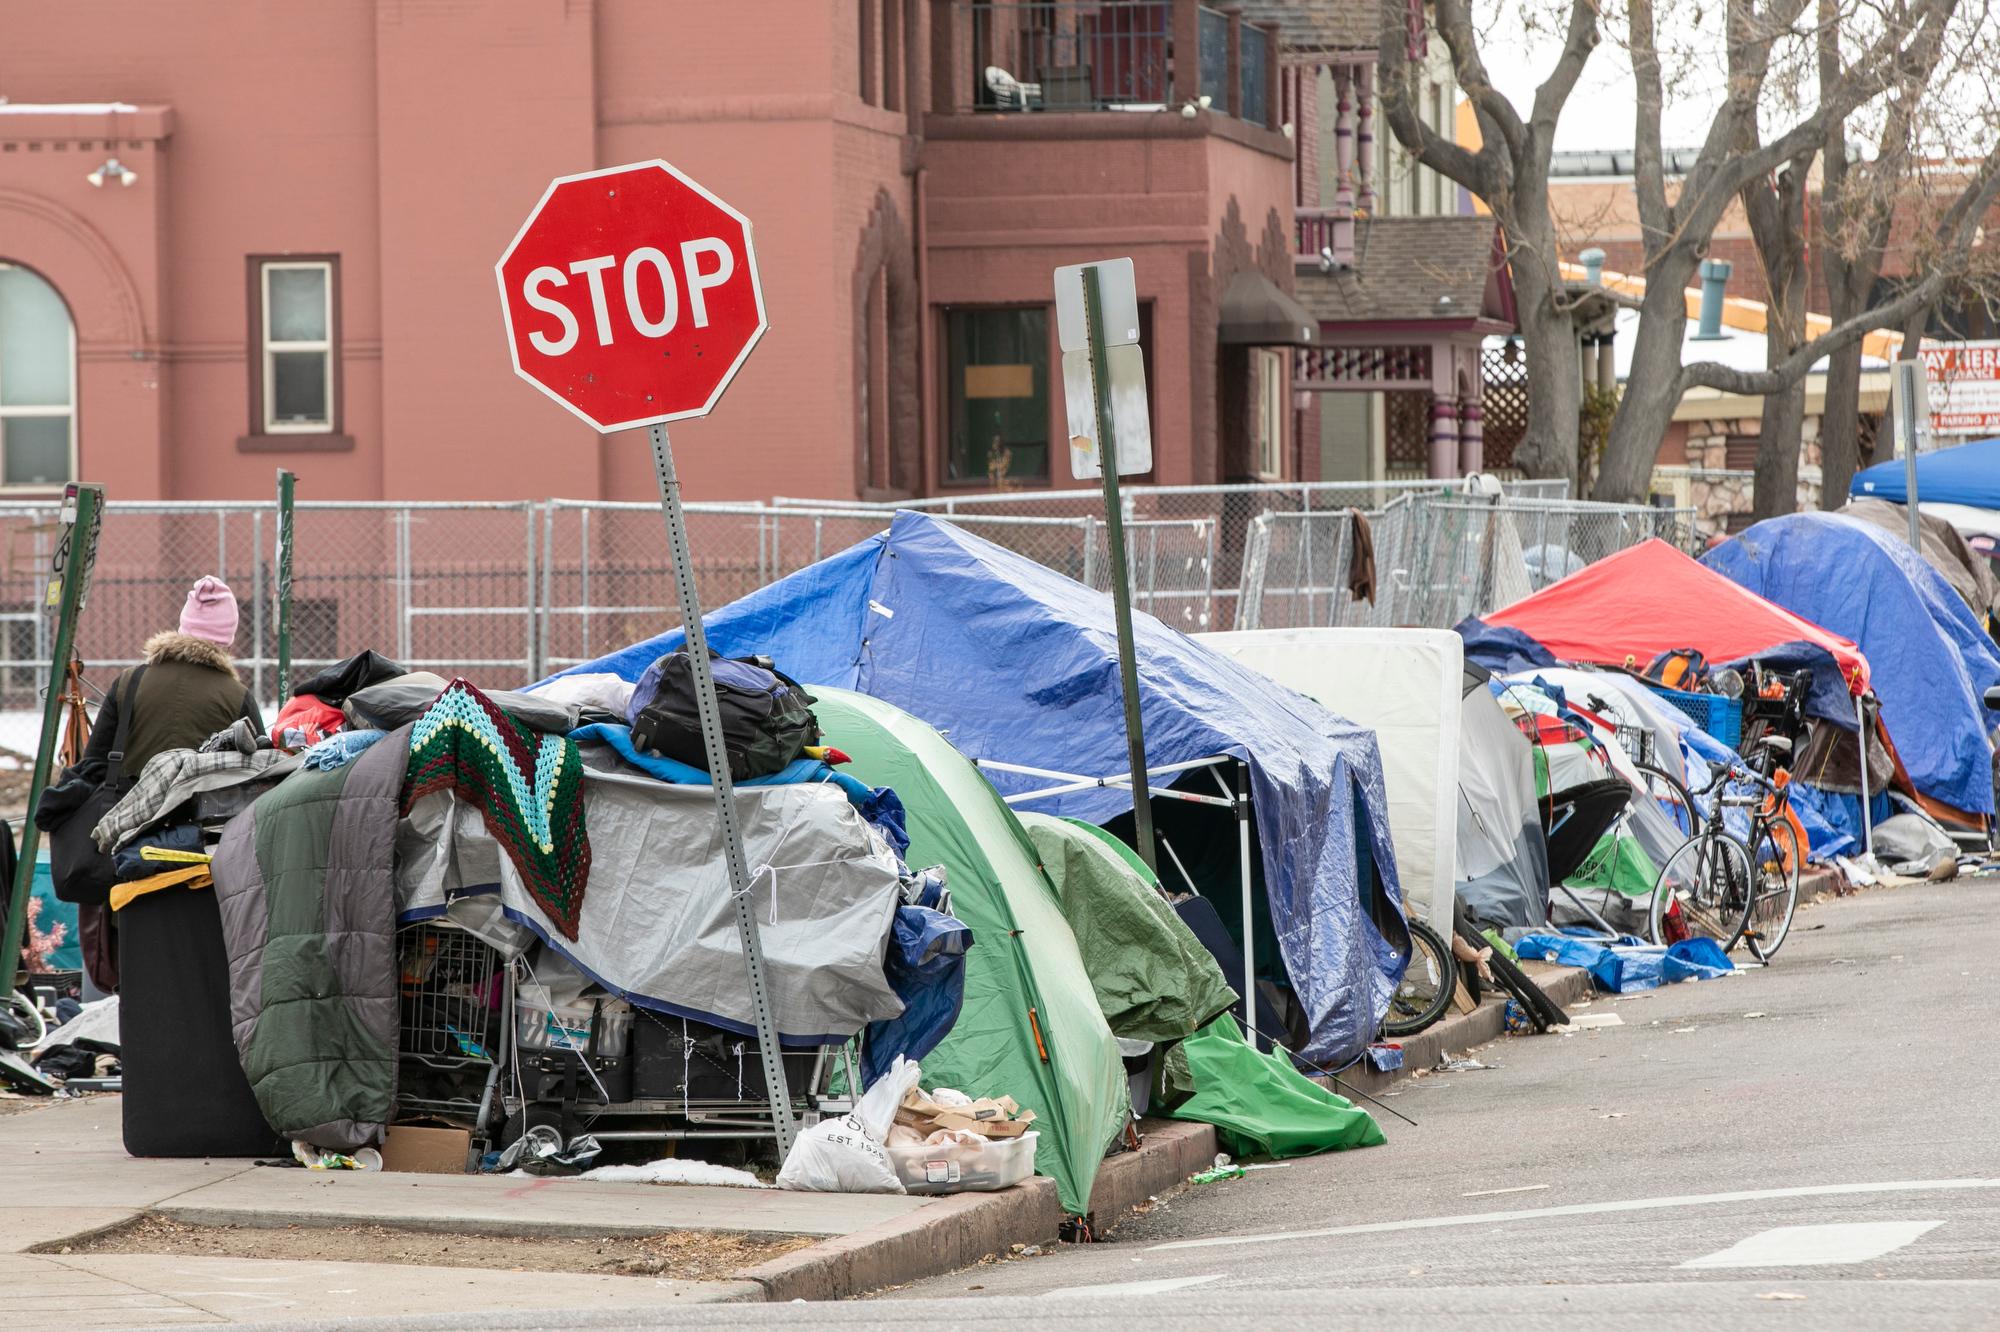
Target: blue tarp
1623 968
1929 660
1018 664
1968 474
1500 649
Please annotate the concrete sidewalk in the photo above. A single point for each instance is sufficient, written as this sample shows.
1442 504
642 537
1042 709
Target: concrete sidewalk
64 1173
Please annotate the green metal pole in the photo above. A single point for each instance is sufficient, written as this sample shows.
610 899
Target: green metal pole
1121 592
68 583
287 483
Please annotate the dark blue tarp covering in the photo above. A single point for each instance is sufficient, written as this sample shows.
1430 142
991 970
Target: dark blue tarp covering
1501 649
1968 474
1014 662
1929 661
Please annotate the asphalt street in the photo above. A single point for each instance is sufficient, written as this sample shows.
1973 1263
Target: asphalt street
1808 1145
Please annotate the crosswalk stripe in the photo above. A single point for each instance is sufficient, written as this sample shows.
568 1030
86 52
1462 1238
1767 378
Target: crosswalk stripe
1817 1246
1159 1287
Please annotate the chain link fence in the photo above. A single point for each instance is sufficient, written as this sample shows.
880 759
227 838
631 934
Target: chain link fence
1437 559
507 592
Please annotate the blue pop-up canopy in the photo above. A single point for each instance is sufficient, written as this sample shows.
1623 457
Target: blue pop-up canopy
1930 661
1968 475
1015 663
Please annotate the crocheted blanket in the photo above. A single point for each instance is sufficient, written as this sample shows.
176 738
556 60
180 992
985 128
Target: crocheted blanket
528 787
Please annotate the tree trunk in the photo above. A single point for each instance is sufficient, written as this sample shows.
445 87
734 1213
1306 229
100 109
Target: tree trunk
1840 421
1555 383
1776 482
1652 389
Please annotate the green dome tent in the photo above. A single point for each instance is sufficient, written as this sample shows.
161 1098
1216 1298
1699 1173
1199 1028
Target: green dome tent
1030 1027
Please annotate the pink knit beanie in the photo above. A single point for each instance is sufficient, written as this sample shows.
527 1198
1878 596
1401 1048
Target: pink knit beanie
210 612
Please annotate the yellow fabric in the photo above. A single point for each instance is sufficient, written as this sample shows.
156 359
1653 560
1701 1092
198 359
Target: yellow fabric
191 876
173 857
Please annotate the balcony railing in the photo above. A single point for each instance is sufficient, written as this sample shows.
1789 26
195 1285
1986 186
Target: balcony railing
1324 231
1071 55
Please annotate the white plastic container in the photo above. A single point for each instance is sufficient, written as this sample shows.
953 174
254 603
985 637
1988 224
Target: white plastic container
980 1166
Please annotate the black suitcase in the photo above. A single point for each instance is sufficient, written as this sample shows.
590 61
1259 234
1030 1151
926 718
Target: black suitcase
185 1093
575 1078
680 1059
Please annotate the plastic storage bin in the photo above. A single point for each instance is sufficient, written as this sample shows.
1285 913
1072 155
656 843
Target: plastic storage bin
980 1166
542 1025
1720 717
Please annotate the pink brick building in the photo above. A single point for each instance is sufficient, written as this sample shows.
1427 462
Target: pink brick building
236 235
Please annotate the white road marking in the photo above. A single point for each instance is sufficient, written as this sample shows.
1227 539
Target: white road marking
1817 1246
1590 1209
1159 1287
1518 1188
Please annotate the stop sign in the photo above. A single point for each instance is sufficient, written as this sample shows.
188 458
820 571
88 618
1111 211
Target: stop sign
631 295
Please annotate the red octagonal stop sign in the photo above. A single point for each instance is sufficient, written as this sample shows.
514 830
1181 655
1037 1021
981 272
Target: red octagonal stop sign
631 295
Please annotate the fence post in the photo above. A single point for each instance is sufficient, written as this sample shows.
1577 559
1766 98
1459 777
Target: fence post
533 661
76 549
286 485
548 598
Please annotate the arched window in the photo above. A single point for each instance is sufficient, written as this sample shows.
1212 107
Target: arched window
37 381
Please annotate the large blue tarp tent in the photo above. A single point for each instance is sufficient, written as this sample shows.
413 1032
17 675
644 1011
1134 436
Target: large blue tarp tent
1015 663
1968 475
1930 661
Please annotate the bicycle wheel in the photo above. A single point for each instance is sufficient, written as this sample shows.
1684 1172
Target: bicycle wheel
29 1016
1703 889
1775 857
1427 986
1672 797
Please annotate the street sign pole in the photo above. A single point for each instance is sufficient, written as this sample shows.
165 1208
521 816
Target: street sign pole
725 790
287 483
1909 383
1121 592
69 584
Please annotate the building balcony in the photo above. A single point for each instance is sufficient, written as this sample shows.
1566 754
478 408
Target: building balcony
1117 56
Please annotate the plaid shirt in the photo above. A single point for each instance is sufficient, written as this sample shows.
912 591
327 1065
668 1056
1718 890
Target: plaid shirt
170 780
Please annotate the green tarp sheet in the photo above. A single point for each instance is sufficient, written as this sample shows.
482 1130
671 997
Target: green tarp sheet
1030 1027
1261 1105
1153 979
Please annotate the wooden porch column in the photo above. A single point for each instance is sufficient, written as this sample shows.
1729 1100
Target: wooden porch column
1343 166
1364 137
1444 436
1471 439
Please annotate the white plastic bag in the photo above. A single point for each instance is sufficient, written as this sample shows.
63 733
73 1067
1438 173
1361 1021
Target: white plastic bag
838 1156
877 1107
845 1155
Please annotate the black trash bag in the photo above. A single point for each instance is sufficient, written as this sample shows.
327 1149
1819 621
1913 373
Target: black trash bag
341 679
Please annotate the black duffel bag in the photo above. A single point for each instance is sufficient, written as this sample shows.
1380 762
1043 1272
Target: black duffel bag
70 809
767 719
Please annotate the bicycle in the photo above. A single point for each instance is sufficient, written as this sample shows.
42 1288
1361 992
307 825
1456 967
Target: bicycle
1736 890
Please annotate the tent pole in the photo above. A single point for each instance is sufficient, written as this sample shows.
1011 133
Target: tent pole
1249 915
1867 822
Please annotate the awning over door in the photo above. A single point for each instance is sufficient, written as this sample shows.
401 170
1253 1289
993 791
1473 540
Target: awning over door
1255 313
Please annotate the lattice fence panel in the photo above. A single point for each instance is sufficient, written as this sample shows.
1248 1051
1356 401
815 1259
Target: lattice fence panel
1506 406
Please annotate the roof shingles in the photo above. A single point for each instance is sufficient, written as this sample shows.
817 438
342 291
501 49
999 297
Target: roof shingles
1402 267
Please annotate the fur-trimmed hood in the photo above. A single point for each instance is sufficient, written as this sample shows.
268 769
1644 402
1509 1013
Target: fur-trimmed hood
172 645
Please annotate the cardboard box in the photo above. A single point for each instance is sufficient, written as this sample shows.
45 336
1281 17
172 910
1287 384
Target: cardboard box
426 1151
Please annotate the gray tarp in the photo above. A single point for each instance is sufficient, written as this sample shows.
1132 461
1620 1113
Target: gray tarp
657 925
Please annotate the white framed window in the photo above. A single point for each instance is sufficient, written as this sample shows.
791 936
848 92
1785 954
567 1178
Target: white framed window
1268 442
295 297
37 381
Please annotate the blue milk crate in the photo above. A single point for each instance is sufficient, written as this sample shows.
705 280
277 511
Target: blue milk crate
1720 717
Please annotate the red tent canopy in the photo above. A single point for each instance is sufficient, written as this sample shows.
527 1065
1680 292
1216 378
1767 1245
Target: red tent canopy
1632 606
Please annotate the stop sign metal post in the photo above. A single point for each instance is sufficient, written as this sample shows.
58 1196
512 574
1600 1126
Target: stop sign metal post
631 297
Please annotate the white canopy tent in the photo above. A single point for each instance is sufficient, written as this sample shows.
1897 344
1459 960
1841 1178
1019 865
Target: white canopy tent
1406 686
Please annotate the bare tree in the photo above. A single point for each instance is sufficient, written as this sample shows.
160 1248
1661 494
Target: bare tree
1677 215
1510 173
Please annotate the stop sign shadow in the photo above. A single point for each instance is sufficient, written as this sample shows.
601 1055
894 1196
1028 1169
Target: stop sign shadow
631 295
